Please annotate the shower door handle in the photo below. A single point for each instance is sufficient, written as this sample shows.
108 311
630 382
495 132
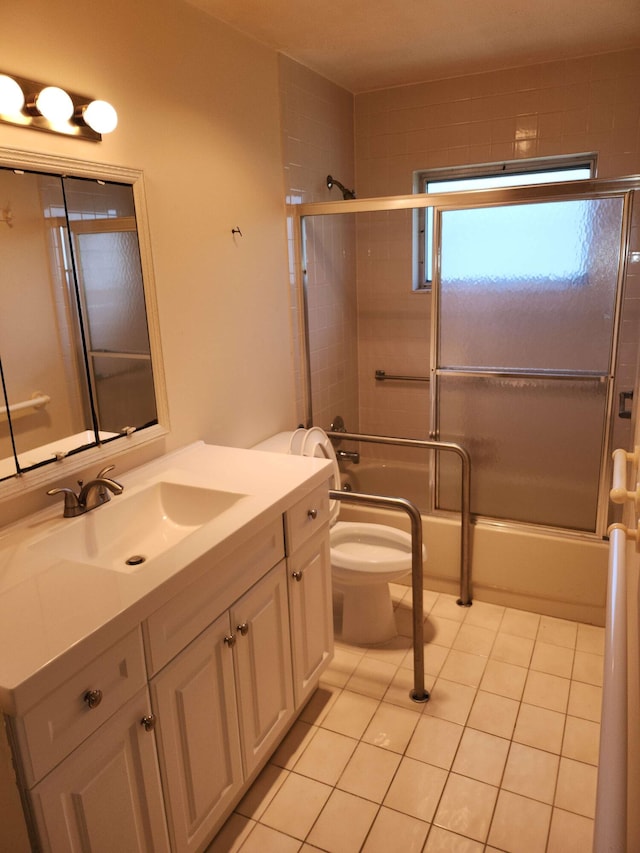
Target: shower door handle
623 412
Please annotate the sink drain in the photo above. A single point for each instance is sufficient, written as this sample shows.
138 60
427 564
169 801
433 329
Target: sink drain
135 560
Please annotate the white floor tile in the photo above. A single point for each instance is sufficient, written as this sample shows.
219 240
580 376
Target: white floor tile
393 830
416 789
344 823
369 772
454 813
296 805
502 758
519 825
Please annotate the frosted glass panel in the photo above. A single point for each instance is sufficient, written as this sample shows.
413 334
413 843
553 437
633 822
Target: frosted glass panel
530 286
535 447
112 279
124 391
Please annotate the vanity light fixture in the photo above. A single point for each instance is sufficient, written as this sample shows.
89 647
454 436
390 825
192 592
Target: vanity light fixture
11 96
54 104
28 103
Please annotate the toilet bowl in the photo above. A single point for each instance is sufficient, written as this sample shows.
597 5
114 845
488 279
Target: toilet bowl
365 558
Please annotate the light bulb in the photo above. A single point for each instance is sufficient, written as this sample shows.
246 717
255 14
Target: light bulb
54 104
100 116
11 96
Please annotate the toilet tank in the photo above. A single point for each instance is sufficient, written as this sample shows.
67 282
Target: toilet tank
278 443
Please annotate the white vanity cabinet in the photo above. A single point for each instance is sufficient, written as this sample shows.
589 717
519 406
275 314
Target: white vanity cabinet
225 701
262 659
164 716
223 704
310 597
106 796
198 736
88 758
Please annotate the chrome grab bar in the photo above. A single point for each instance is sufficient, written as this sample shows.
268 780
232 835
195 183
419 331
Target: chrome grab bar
418 694
36 401
610 824
381 375
619 493
465 509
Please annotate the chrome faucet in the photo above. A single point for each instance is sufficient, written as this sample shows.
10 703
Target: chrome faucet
91 494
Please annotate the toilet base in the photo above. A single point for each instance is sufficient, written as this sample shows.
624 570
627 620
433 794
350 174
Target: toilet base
367 613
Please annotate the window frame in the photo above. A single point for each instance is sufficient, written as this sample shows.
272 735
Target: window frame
422 179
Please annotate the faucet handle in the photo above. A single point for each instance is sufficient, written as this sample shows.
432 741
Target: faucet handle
104 471
71 503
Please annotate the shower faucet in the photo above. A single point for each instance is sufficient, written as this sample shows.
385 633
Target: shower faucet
351 455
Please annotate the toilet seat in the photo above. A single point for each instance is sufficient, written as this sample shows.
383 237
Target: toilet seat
361 549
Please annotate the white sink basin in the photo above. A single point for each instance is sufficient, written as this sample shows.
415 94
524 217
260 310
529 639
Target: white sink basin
128 532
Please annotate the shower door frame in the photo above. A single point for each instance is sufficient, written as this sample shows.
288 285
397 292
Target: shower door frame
440 202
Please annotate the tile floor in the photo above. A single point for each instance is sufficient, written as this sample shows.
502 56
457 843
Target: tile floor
502 758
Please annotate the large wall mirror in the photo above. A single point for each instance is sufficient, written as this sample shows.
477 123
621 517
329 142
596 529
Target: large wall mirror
79 366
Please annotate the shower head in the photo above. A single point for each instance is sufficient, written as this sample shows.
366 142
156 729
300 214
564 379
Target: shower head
346 194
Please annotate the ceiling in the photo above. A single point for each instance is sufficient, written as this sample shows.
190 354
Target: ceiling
371 44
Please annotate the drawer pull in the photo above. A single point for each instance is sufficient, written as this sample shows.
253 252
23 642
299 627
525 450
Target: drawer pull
297 576
244 629
93 698
312 514
230 640
148 723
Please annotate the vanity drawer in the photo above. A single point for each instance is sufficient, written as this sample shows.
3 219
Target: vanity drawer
75 709
306 517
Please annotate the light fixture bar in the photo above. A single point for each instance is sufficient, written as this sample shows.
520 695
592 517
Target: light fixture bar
31 116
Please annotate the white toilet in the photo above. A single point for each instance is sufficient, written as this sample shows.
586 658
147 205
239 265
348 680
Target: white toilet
365 557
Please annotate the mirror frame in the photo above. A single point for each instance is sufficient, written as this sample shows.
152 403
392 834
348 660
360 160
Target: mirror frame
36 478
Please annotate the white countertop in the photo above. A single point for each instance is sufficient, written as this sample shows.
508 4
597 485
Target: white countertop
56 614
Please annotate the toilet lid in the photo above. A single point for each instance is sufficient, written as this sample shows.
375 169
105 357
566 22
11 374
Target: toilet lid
317 443
295 443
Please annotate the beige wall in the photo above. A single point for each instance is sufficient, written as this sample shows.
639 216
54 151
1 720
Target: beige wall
199 114
568 107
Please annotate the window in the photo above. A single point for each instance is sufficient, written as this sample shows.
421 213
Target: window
515 173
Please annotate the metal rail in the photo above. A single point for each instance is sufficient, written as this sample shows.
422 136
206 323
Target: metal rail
381 375
418 694
465 509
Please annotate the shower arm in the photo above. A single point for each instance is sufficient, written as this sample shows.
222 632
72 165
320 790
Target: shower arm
346 194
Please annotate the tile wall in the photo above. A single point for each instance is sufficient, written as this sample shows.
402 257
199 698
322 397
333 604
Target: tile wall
574 106
317 140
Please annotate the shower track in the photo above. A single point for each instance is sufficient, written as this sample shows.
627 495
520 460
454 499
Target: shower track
465 500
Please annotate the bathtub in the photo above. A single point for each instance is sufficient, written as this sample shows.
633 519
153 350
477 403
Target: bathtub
556 574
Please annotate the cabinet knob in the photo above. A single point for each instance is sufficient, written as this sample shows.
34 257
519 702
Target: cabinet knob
312 514
148 723
93 698
230 640
297 576
244 629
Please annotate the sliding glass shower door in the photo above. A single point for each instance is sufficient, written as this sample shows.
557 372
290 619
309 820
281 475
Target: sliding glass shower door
523 352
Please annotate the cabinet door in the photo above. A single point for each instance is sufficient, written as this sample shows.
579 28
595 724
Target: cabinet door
260 621
198 739
311 614
106 796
